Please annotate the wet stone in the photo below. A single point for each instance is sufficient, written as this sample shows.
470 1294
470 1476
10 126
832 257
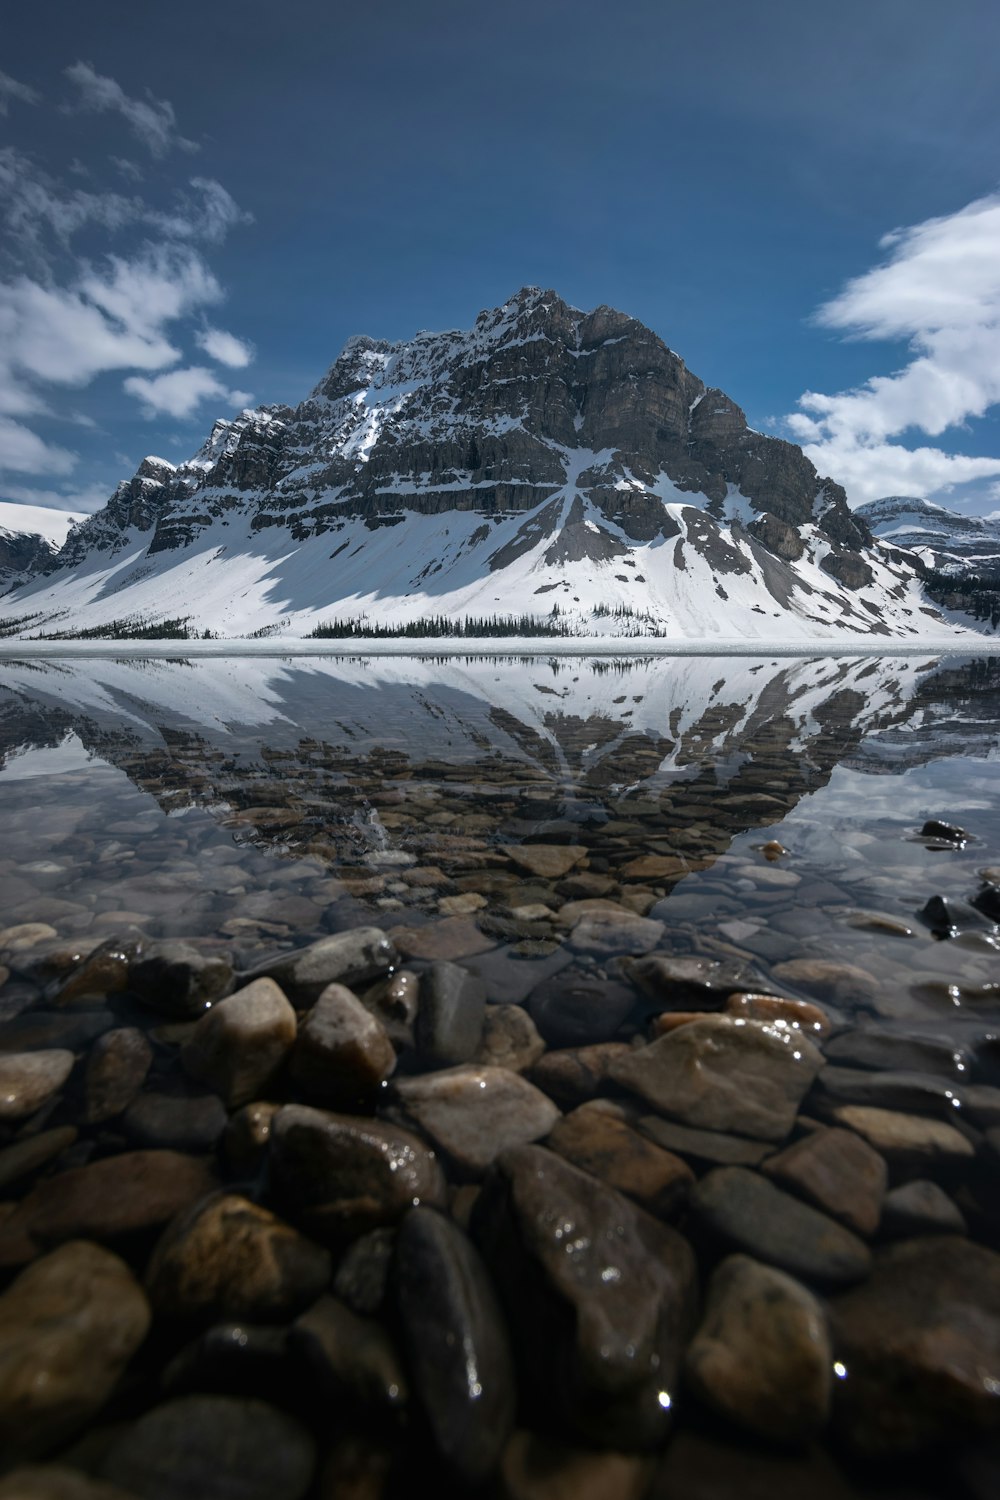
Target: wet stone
920 1093
451 1016
55 1482
36 1030
762 1354
230 1258
920 1207
342 1053
548 861
689 983
456 1341
573 1075
104 1200
511 978
725 1074
363 1271
810 1019
600 1297
342 1175
574 1011
740 1210
179 980
509 1039
244 1142
29 1079
175 1122
837 1172
353 1356
451 938
607 934
237 1048
920 1341
474 1112
394 1001
537 1468
910 1143
29 1155
115 1072
705 1147
215 1447
69 1324
604 1145
349 958
841 984
884 1050
245 1359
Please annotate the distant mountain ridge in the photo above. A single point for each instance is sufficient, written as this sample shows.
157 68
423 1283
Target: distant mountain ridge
547 462
941 538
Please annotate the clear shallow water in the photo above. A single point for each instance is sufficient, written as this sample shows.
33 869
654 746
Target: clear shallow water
267 802
763 813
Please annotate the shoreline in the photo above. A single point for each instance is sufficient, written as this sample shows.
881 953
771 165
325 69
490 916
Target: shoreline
508 646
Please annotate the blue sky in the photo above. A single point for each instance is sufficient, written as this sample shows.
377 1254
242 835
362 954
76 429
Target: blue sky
205 200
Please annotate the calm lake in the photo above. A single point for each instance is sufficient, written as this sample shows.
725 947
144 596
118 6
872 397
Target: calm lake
617 856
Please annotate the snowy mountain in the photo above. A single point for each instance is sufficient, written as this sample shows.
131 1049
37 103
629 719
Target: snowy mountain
941 538
547 462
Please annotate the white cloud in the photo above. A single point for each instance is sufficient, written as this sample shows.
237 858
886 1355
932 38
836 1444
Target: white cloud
224 347
127 168
24 452
75 498
939 289
10 89
179 393
152 120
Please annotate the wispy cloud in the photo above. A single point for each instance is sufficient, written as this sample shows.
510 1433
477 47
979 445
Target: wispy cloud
67 319
224 347
938 289
11 90
151 120
179 393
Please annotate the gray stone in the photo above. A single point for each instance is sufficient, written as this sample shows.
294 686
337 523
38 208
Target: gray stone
740 1210
456 1342
69 1324
244 1141
175 1122
726 1074
178 979
574 1011
908 1142
36 1030
215 1447
449 1022
920 1207
878 1047
509 1039
343 1175
342 1053
363 1271
601 1297
33 1152
473 1113
29 1079
919 1093
609 934
237 1048
230 1258
706 1147
762 1354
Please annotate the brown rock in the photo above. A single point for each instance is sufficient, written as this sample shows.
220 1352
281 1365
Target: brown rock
908 1142
655 867
537 1468
510 1039
451 938
811 1019
104 1200
548 861
69 1324
228 1258
841 984
607 1147
573 1075
722 1073
29 1079
244 1144
762 1353
116 1069
54 1482
241 1043
26 1156
838 1172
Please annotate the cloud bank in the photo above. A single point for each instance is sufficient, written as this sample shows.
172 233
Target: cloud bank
938 289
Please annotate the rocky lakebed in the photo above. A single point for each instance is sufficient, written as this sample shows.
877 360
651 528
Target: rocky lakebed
533 1081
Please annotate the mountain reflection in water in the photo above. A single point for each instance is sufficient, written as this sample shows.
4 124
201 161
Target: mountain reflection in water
266 801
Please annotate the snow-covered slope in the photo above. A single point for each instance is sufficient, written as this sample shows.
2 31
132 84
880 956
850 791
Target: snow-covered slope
39 520
941 538
547 463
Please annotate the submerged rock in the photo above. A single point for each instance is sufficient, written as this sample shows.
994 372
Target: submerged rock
178 979
116 1070
602 1143
473 1113
69 1324
451 1015
724 1073
29 1079
838 1172
345 958
762 1354
456 1341
601 1297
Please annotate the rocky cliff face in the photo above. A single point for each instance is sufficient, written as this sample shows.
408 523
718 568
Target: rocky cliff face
22 554
545 451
